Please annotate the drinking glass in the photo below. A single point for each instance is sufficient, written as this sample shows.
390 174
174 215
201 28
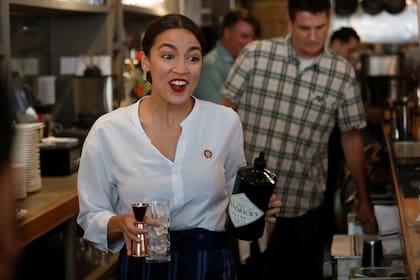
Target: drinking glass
158 241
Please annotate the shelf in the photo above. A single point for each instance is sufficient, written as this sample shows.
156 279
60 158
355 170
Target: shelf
42 7
54 204
144 11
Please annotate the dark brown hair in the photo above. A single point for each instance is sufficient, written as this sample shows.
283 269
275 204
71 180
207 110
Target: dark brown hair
169 22
312 6
344 35
234 16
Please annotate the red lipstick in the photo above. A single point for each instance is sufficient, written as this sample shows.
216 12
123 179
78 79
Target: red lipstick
178 85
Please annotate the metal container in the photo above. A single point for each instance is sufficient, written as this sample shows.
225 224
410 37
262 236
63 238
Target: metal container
404 121
347 251
372 252
374 65
383 77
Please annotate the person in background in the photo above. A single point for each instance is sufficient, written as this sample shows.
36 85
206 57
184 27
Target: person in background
8 233
168 145
238 28
289 93
344 42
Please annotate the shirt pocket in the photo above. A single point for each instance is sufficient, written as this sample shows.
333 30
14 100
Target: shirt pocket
323 103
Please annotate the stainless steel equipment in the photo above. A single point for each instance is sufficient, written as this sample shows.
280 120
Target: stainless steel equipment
383 77
382 64
372 252
404 119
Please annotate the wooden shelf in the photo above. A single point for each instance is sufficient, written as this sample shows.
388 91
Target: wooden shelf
42 7
408 208
144 11
55 203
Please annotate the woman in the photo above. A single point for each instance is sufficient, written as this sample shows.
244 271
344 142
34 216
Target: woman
171 146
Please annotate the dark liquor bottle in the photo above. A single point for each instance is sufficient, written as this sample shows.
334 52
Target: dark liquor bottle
248 203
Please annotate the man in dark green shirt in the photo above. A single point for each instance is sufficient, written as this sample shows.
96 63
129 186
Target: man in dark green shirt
238 28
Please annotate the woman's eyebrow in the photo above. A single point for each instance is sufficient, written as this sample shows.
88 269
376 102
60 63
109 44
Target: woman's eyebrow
172 47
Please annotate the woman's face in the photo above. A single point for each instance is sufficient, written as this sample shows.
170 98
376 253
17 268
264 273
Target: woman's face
174 64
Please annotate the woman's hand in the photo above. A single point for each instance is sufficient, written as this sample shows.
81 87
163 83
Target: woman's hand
273 208
132 233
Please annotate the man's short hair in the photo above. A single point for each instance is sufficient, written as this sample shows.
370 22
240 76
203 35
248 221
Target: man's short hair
344 35
312 6
238 14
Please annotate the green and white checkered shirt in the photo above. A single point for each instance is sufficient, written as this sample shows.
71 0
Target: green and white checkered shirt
290 114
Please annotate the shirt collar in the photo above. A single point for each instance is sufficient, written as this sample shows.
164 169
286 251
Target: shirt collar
321 62
223 52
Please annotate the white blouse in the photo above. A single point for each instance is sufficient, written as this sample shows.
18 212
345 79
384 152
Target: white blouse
119 166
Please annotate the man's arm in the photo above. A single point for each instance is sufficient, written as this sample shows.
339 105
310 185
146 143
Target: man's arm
353 147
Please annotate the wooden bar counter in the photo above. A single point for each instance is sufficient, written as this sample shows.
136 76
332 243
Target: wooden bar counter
55 203
408 208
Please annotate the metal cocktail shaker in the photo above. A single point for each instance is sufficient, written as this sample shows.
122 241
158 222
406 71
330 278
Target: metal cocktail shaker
404 119
372 252
139 248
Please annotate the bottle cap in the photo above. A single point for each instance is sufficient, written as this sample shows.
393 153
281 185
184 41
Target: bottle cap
260 162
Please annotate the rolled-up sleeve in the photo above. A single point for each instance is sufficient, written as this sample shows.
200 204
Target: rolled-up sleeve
97 193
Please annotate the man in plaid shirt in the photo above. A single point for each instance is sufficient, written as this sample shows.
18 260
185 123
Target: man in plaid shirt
289 93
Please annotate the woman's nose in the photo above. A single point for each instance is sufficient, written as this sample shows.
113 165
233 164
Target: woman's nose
180 66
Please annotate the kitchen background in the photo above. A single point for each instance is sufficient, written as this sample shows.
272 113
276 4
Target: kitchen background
51 43
79 59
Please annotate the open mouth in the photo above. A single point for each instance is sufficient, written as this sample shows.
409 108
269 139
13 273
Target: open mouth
178 85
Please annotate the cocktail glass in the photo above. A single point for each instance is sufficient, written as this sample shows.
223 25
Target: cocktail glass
158 236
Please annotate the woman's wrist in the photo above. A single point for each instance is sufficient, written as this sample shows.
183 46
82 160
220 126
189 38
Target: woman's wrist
116 227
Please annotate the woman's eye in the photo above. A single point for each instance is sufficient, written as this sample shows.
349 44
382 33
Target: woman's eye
194 58
167 56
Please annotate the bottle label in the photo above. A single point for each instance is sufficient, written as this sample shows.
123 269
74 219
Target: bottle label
242 211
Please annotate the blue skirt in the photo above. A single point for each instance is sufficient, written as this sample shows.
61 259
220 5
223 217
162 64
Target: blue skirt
196 254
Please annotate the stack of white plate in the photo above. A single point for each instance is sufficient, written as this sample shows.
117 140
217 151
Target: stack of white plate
26 151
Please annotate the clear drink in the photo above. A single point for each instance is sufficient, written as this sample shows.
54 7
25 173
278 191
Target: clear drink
158 237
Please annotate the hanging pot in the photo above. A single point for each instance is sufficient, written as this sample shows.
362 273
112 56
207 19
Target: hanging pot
373 7
394 6
345 7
